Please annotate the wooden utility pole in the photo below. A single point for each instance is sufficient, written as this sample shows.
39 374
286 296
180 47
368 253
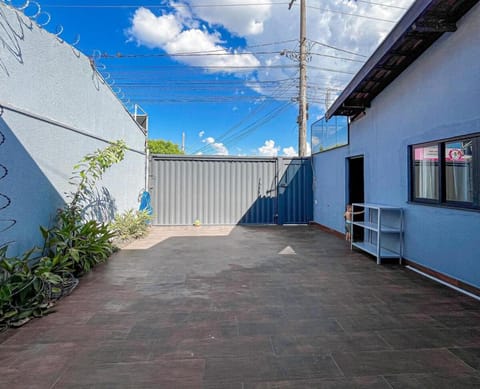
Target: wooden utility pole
302 97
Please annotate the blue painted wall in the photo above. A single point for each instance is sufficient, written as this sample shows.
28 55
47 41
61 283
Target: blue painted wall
45 80
437 97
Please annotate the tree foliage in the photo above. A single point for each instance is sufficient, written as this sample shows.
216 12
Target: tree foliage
160 146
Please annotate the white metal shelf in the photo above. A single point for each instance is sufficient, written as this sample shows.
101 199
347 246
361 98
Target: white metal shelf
372 249
374 227
382 223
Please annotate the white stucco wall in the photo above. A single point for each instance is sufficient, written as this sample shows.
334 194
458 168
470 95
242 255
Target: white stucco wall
437 97
43 79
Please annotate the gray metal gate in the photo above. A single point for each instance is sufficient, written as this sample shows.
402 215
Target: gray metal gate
219 190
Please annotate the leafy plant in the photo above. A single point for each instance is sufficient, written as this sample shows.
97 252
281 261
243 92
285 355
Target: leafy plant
25 291
72 247
91 168
76 246
131 224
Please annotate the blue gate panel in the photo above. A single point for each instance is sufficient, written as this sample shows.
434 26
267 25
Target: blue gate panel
295 191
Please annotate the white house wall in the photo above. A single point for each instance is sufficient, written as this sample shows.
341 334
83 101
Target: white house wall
437 97
56 109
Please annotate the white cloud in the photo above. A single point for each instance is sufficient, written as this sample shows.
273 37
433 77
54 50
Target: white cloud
201 134
219 148
152 31
174 34
246 20
268 149
290 152
193 26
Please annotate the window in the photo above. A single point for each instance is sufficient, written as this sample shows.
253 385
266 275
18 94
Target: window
327 135
459 171
447 172
426 172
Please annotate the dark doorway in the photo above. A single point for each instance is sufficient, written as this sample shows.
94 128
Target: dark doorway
355 188
355 180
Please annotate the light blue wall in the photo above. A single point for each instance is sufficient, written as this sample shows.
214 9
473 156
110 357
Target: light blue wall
43 79
437 97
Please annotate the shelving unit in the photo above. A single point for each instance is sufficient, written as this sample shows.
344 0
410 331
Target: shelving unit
382 227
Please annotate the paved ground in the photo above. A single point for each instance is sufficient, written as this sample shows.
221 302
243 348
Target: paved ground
248 307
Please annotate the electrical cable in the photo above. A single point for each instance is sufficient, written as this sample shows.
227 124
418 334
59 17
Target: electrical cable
228 136
248 129
161 6
257 109
256 125
351 14
220 5
214 53
381 4
193 6
336 48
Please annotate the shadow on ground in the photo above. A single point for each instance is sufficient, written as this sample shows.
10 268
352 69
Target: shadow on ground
248 307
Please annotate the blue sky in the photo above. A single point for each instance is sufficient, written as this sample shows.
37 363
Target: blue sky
214 70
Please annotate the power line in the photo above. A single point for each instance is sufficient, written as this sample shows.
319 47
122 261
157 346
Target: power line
212 5
336 48
214 53
256 125
223 51
381 4
99 6
351 14
257 109
220 51
272 43
252 127
275 94
249 67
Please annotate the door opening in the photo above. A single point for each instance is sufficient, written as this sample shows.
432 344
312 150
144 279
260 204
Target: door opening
355 190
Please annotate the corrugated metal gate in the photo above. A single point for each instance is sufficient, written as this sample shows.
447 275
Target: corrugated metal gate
230 190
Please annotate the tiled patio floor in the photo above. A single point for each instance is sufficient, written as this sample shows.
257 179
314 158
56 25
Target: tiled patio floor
248 307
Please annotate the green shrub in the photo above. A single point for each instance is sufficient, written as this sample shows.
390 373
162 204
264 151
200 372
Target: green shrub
131 224
72 247
75 245
25 290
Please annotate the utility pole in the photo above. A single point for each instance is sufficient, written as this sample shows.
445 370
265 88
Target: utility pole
183 142
302 97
